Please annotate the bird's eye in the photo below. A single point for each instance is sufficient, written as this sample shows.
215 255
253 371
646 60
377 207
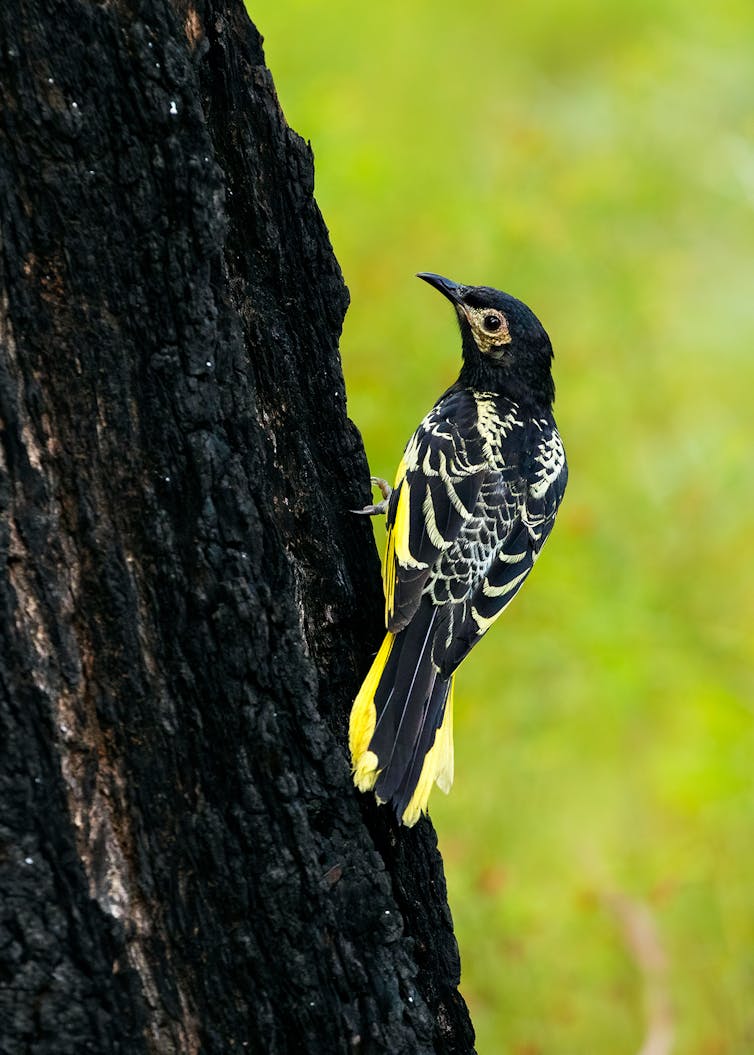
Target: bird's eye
492 323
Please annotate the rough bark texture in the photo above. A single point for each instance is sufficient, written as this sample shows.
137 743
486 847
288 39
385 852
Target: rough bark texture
186 605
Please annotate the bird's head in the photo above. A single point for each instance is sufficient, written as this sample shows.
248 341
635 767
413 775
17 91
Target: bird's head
505 347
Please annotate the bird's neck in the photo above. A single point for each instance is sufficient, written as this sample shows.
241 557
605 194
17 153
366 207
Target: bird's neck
481 375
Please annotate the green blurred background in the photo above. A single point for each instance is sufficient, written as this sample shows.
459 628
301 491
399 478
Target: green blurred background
597 160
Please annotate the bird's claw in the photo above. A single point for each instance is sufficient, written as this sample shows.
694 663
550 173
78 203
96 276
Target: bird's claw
379 508
385 488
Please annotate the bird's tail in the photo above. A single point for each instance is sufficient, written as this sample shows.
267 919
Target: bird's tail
401 730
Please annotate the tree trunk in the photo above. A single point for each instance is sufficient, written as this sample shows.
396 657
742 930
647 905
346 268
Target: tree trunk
187 606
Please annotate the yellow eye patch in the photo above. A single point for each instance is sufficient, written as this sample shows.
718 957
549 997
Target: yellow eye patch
489 327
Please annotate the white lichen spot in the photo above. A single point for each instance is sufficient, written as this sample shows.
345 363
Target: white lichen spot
173 107
28 860
50 80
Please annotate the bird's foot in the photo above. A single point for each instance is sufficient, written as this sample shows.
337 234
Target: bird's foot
379 508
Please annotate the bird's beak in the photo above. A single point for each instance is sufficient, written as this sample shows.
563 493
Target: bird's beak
449 289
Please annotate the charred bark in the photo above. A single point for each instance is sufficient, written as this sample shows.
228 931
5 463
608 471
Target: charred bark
186 605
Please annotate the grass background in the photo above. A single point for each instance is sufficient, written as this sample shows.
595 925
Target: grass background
597 160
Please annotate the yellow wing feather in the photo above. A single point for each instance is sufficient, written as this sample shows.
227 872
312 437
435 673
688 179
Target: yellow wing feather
388 570
397 551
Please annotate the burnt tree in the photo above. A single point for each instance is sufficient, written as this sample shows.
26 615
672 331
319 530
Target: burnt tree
186 605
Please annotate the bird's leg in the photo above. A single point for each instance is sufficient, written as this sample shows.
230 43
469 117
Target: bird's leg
379 508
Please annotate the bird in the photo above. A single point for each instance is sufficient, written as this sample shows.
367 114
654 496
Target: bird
474 499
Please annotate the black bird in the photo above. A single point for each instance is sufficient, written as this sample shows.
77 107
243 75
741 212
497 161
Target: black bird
475 497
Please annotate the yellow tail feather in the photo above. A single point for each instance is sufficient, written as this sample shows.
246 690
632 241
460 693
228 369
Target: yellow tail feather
363 720
437 768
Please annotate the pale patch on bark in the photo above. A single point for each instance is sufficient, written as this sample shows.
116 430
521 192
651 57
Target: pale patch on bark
193 27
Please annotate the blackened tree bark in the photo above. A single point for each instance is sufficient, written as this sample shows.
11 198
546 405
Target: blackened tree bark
186 605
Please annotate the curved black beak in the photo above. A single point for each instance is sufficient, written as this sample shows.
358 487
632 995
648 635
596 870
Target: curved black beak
449 289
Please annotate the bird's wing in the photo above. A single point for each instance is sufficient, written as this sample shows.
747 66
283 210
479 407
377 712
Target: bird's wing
436 490
477 577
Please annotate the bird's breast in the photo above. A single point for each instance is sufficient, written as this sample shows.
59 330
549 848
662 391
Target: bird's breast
497 419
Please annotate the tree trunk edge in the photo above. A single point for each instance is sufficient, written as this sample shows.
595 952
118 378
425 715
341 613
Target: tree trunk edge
184 864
